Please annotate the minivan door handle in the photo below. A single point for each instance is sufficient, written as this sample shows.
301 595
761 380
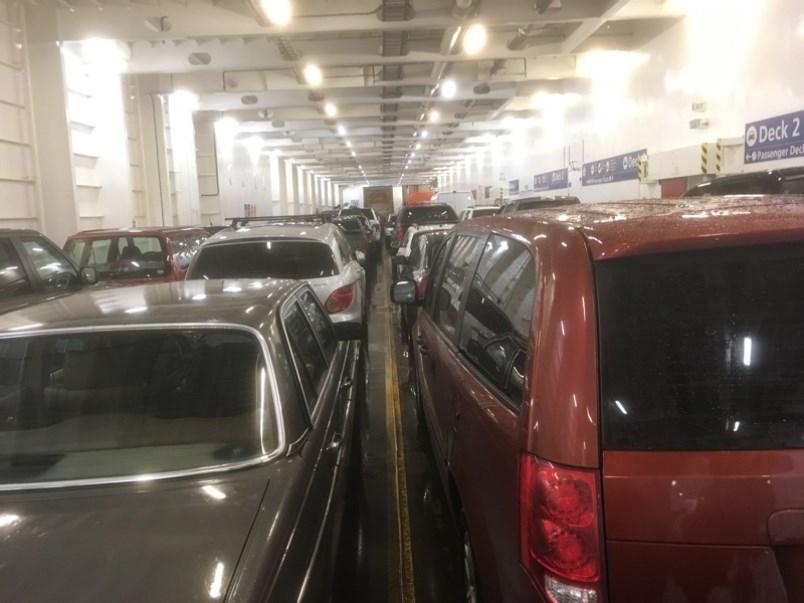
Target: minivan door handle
346 383
422 345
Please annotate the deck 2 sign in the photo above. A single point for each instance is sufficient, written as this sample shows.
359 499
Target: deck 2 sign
549 181
612 169
780 137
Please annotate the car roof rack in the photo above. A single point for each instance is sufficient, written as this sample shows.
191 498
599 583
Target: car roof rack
277 220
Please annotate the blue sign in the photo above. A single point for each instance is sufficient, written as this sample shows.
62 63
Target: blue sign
513 187
551 180
780 137
613 169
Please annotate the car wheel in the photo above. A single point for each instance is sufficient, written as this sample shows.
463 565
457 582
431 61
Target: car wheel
472 594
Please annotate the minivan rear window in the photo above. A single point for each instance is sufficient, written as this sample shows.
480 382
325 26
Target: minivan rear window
264 259
703 350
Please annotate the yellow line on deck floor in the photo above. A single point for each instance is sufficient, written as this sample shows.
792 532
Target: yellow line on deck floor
401 584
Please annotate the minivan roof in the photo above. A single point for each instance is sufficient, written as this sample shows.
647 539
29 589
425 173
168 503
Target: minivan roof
659 225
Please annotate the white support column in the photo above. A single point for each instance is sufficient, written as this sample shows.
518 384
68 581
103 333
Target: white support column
182 133
156 180
312 194
290 196
277 175
59 218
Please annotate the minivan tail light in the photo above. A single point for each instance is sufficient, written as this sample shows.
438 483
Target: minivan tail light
400 235
559 529
340 299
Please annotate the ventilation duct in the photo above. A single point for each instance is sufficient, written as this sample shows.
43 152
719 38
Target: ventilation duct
286 50
394 43
395 10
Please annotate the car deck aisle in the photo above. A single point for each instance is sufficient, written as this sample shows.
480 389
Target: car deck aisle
398 526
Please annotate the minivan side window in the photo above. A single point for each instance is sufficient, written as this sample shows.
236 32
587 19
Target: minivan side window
498 314
453 281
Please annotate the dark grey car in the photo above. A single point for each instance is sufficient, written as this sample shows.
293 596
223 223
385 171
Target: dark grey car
33 269
186 441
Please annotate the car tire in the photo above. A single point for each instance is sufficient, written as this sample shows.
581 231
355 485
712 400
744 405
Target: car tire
471 590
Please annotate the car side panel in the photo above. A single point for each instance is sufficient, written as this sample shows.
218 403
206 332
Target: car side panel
485 464
431 352
305 507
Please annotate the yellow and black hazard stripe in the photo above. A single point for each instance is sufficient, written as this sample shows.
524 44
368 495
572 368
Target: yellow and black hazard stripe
705 158
718 156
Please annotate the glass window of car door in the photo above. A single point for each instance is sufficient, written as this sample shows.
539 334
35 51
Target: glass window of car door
54 270
307 356
13 280
793 185
454 279
498 314
347 254
320 322
184 251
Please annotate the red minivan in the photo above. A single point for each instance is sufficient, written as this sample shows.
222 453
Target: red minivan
615 397
133 256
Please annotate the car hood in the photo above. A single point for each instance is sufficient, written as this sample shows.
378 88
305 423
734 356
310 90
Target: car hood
171 540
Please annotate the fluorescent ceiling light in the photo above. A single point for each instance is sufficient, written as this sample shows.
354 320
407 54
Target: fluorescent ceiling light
184 100
418 145
341 130
277 12
448 88
474 39
330 109
425 133
313 76
434 116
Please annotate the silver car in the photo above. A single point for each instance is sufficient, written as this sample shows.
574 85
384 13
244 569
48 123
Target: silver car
316 252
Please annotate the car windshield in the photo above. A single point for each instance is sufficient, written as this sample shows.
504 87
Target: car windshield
754 184
130 403
484 211
358 211
703 350
432 214
349 225
121 256
264 259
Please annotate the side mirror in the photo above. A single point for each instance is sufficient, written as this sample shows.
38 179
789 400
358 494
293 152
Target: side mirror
89 275
403 292
346 331
360 257
398 260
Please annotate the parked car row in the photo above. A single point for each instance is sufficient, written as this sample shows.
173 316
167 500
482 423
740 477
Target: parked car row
614 398
216 410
